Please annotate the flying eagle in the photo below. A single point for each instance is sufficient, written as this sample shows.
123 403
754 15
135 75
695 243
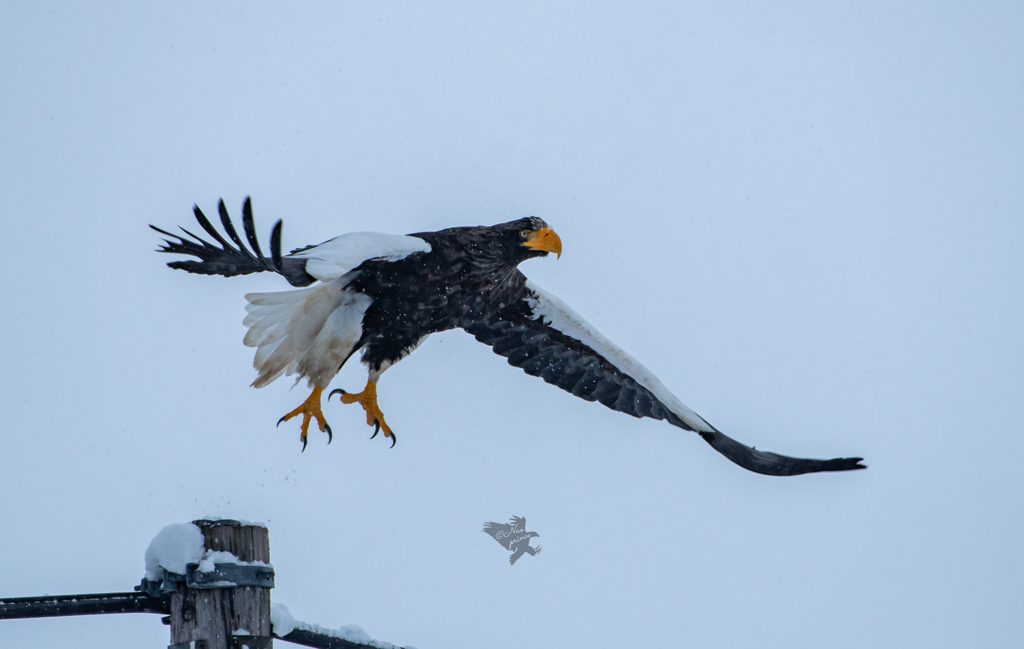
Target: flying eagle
383 294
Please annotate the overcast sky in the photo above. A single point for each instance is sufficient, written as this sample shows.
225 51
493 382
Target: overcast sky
805 218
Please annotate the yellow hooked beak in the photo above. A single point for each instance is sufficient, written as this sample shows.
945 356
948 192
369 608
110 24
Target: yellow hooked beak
545 240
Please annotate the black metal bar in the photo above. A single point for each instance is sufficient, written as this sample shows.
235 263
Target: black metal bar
97 604
320 641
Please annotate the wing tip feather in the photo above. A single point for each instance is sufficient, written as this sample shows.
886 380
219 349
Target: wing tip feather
767 463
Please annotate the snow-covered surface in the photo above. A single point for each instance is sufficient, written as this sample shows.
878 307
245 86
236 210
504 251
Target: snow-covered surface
179 544
281 619
211 558
283 623
172 548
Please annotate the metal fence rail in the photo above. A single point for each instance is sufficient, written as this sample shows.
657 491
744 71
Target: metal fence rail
97 604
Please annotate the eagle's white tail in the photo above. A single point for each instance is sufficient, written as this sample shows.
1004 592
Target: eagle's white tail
311 331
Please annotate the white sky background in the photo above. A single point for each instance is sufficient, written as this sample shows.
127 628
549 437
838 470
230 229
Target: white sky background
805 218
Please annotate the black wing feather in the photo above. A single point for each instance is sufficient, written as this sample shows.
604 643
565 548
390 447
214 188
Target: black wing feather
229 227
540 349
212 231
250 232
227 260
275 245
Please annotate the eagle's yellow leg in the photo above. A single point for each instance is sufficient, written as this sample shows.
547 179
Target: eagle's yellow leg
368 400
309 409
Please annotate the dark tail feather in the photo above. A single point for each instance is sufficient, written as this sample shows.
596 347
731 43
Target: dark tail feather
228 260
773 464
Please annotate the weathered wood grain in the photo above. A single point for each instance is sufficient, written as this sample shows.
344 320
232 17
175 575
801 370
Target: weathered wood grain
215 614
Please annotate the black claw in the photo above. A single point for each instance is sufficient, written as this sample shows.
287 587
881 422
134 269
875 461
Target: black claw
304 440
339 390
377 430
394 438
279 421
330 435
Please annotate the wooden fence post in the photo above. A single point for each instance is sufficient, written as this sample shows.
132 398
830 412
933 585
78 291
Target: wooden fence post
207 618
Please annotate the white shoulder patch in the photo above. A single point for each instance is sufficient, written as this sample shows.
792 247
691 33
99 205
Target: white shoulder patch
335 257
560 316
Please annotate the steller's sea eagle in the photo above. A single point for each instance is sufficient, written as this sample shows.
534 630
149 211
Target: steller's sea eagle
385 293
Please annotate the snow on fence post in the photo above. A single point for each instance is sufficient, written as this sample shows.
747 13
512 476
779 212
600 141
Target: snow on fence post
223 615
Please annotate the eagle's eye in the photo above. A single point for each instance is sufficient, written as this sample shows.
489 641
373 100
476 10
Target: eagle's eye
524 234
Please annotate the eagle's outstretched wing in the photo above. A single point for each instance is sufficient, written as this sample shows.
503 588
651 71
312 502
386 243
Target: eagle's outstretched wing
325 261
518 521
542 335
227 260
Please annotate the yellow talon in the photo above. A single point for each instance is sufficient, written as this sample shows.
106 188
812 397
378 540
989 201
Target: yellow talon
309 409
368 400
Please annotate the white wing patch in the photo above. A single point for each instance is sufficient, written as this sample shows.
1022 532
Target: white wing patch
335 257
560 316
310 331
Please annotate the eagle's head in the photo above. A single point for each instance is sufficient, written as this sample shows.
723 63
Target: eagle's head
524 239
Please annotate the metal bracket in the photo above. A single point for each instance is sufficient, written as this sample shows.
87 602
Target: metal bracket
234 642
229 575
223 575
250 642
162 587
